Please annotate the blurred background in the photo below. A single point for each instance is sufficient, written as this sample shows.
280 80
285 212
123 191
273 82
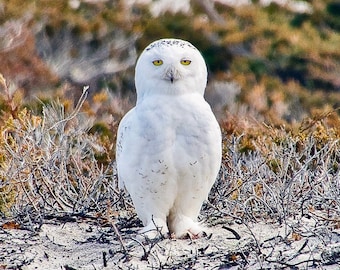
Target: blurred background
271 61
274 85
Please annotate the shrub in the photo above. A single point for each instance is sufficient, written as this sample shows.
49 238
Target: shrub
48 164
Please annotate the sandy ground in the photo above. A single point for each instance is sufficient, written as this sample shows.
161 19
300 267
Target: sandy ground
84 244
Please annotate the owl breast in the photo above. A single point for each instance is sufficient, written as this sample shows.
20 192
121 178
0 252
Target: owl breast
179 138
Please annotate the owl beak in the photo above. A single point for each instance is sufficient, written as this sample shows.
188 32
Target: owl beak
171 75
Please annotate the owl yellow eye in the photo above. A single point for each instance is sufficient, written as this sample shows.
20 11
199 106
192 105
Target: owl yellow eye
185 62
157 62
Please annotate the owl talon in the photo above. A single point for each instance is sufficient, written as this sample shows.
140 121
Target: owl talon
157 229
151 235
193 235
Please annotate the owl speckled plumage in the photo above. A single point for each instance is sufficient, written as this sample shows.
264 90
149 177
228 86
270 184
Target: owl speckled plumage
169 145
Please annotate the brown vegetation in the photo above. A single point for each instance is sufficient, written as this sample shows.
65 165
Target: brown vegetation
273 83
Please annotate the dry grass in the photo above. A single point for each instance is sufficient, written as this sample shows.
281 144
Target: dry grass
50 168
293 177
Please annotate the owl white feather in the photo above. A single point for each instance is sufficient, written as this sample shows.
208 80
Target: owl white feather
169 145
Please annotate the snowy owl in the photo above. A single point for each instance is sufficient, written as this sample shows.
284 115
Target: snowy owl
169 145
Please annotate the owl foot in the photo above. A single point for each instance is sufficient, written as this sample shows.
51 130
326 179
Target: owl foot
156 229
184 227
195 235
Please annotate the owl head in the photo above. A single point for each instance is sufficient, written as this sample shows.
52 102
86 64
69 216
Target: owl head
171 67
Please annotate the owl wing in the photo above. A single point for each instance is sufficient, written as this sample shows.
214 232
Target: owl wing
124 131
